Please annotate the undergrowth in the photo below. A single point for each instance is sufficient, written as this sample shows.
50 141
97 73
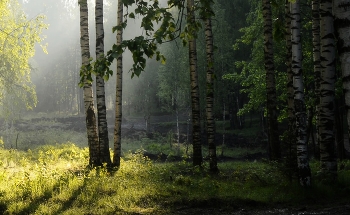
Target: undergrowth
56 180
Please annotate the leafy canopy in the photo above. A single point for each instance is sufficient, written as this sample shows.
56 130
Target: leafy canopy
159 26
17 38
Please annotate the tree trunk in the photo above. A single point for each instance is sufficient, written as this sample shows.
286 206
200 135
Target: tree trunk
342 29
299 103
316 43
272 124
88 97
210 96
119 88
223 133
177 127
196 129
291 133
100 89
341 12
290 90
339 122
327 90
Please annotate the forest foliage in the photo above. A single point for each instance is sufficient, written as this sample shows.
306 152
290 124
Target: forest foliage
18 35
58 179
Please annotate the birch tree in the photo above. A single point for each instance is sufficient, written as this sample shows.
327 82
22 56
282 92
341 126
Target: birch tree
207 13
299 103
87 86
118 98
196 131
291 137
100 89
271 100
342 29
327 90
341 12
316 50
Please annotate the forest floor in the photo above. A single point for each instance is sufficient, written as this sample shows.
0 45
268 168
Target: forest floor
135 128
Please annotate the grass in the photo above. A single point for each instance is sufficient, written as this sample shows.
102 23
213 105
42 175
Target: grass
39 178
162 146
44 129
55 180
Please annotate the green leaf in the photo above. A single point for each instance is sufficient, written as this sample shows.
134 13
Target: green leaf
115 55
132 15
163 60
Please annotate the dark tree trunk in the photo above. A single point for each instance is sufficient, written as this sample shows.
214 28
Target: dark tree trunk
327 91
272 124
105 156
196 127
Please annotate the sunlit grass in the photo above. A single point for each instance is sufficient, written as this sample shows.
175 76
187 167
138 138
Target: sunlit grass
55 180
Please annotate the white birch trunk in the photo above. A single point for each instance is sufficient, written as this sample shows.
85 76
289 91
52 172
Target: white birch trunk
100 89
87 88
119 88
299 103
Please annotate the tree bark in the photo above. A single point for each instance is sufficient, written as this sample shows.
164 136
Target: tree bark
100 89
88 96
327 90
119 90
316 44
271 100
291 134
196 129
299 103
341 12
210 96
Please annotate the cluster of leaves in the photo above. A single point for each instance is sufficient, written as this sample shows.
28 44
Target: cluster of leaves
251 73
252 76
17 38
152 14
160 25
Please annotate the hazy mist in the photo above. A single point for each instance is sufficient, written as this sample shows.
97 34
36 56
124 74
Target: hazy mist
62 41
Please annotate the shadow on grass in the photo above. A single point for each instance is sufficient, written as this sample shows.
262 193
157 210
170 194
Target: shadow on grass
65 205
68 204
35 203
233 204
3 207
